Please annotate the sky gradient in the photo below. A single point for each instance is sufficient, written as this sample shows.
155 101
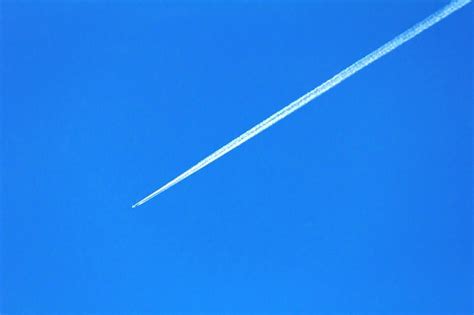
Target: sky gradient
359 202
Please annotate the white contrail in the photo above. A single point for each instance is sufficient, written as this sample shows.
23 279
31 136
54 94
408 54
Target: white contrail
308 97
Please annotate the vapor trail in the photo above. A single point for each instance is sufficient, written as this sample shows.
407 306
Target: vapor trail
308 97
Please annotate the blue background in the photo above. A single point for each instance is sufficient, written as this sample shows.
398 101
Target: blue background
360 202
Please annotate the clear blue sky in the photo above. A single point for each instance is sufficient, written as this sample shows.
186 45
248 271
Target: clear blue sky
360 202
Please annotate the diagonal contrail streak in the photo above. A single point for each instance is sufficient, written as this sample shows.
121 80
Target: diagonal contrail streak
308 97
